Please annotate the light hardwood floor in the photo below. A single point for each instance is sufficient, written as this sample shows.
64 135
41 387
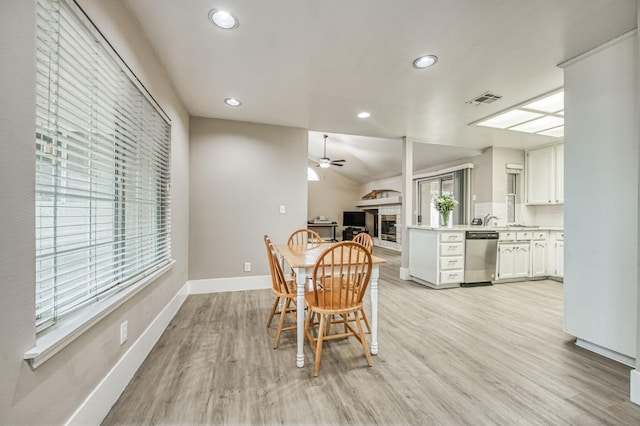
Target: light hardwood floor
481 356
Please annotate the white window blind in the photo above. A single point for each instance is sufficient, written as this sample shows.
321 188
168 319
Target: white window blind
102 168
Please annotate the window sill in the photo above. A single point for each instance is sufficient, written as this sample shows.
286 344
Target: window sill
60 335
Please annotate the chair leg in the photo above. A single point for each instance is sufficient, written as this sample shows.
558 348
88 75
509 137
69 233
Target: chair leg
273 311
307 327
363 340
316 367
281 322
366 320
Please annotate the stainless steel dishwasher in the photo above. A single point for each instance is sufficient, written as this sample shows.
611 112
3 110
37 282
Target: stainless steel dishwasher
481 252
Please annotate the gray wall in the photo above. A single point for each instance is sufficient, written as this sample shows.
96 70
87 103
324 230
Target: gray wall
601 197
332 195
240 174
51 393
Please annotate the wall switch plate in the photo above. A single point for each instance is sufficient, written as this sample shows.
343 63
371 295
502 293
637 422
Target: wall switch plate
247 266
124 332
283 210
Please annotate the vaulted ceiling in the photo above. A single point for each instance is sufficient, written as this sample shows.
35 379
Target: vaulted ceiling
316 64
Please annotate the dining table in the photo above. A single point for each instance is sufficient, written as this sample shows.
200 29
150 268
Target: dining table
302 261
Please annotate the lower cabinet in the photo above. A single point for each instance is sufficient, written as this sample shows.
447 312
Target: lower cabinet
436 258
513 260
556 254
559 255
539 259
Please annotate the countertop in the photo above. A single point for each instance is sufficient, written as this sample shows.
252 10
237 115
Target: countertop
486 228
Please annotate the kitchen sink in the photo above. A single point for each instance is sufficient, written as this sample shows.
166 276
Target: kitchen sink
515 225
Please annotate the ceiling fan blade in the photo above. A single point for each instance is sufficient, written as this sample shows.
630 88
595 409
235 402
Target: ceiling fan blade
338 161
337 164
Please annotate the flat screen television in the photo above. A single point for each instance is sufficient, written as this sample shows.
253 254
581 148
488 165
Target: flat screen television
354 219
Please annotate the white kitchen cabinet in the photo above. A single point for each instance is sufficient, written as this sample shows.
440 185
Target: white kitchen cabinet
436 258
538 258
559 165
506 261
513 260
545 175
556 254
559 253
522 260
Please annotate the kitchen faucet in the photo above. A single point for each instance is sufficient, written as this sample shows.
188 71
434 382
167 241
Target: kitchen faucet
487 218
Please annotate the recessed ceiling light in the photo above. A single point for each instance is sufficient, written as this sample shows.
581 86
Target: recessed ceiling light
425 61
364 114
232 102
223 19
510 118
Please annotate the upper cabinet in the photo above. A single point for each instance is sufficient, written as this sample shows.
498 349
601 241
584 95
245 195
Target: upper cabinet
545 175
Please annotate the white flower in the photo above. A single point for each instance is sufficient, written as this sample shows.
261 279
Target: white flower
444 203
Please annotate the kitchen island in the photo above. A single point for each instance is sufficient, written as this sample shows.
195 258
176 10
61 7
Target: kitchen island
437 254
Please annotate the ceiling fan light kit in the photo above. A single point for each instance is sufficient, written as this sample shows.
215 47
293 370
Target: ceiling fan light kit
325 162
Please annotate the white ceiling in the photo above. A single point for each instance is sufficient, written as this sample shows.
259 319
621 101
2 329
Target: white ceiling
316 64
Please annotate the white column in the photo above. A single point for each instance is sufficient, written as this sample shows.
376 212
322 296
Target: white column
407 204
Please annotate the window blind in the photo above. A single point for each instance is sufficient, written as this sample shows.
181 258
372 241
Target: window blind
102 168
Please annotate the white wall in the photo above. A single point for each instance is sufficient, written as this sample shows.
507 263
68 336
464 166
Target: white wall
51 393
601 197
240 174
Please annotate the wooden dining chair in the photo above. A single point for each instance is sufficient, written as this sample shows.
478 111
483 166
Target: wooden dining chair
285 292
365 239
339 281
304 239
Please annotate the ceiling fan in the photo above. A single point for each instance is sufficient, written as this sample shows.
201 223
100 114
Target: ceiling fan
325 161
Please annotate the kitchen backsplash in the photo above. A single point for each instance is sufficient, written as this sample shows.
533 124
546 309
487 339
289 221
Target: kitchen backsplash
526 215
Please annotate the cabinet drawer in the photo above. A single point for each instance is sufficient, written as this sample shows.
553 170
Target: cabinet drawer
451 237
559 236
451 276
523 236
451 249
507 236
454 262
539 235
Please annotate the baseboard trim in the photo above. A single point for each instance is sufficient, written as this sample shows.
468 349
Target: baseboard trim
219 285
608 353
97 405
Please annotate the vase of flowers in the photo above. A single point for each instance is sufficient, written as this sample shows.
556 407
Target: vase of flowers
445 204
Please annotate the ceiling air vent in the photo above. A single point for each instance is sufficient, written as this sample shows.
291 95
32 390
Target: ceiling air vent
485 98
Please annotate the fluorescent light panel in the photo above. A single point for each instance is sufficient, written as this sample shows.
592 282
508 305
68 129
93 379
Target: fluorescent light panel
544 116
552 103
509 119
539 124
556 132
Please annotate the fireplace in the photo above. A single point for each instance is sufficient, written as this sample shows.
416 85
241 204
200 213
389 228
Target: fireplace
388 227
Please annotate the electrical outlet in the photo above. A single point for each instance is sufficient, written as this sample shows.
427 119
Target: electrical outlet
283 209
247 266
124 332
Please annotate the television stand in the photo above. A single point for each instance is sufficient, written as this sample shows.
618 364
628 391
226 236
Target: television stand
349 233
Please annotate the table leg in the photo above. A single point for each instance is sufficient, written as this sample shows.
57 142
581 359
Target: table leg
375 273
300 280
